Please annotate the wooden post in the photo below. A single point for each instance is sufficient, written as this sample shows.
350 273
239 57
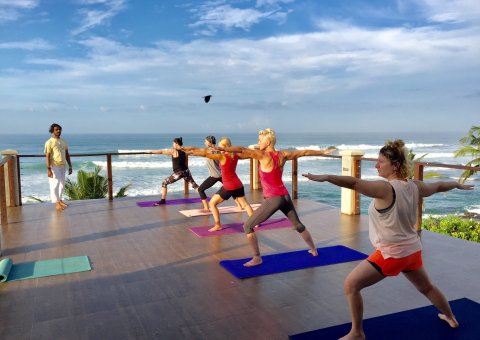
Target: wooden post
3 198
185 182
109 177
255 183
11 184
19 182
418 175
295 178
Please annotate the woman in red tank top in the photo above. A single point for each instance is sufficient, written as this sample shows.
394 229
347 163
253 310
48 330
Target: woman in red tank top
232 185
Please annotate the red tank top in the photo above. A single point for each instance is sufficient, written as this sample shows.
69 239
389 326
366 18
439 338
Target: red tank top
272 183
230 179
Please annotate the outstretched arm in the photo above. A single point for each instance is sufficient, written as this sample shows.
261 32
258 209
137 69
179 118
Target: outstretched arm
289 155
375 189
245 152
428 189
161 152
203 152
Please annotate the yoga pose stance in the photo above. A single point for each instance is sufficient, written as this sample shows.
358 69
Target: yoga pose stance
392 216
57 156
215 174
232 185
180 169
275 193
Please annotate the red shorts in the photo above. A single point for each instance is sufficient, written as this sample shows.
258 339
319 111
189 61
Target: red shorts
393 266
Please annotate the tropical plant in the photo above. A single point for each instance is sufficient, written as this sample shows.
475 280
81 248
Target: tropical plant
90 185
456 226
471 147
411 157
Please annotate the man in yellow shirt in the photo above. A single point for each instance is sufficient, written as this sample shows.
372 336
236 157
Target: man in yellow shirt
56 152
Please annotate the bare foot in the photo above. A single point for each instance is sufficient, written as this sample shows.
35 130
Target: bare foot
313 252
216 227
59 206
204 210
353 336
62 203
451 321
255 261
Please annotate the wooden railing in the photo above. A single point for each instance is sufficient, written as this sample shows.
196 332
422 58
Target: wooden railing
418 174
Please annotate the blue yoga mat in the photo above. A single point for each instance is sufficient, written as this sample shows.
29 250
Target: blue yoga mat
31 270
420 323
284 262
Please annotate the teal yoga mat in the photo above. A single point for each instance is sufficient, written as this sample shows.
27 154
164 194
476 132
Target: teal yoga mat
31 270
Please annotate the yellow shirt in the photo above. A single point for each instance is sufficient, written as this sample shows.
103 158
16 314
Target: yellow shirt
57 148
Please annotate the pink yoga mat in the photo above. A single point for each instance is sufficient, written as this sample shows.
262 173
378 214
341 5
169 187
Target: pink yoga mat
169 202
237 228
222 210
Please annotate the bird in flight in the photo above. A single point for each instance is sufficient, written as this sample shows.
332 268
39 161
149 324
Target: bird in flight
207 98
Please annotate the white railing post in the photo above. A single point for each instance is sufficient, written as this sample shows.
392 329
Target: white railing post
351 166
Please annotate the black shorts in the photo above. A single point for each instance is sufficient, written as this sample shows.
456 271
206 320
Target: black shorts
226 194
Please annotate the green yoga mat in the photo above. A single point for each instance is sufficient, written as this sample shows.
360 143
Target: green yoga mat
31 270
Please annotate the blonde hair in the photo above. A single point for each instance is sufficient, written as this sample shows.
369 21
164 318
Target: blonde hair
224 142
396 153
269 135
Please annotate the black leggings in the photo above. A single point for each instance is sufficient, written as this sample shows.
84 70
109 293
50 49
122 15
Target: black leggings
208 183
269 207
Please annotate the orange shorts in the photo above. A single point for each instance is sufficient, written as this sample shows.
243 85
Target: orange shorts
393 266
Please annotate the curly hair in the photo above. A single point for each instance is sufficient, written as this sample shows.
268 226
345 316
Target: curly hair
396 152
269 135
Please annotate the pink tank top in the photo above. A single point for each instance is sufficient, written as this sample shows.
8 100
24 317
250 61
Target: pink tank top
272 183
230 179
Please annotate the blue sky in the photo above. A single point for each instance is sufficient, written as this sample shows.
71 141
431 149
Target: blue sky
116 66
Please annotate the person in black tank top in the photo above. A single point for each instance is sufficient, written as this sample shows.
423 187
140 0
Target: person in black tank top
179 164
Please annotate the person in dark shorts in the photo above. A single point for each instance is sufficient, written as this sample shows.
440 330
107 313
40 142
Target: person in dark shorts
180 168
276 195
232 185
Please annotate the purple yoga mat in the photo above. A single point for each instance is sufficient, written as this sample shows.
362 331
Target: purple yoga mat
169 202
237 228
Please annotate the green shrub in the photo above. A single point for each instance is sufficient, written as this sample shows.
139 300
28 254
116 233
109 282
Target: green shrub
456 226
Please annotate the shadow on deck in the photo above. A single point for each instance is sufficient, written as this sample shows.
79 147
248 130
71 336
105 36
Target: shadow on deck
154 279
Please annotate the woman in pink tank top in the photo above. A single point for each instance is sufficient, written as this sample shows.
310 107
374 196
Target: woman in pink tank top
392 217
276 196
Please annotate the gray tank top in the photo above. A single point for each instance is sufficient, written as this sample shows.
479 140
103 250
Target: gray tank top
213 168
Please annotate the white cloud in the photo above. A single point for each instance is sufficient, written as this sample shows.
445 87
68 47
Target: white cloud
34 44
12 10
26 4
456 11
214 16
101 14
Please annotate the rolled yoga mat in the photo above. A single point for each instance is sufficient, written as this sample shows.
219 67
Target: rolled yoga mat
419 323
31 270
222 210
169 202
284 262
237 228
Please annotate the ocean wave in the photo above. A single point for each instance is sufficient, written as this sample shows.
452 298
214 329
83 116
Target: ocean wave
378 147
167 163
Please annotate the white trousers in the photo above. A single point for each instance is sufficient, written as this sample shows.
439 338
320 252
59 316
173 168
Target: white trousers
57 183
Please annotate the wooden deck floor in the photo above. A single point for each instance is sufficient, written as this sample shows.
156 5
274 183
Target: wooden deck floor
154 279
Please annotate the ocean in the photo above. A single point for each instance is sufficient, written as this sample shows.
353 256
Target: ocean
145 173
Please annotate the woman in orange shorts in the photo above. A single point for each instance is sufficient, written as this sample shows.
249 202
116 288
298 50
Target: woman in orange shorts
392 217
